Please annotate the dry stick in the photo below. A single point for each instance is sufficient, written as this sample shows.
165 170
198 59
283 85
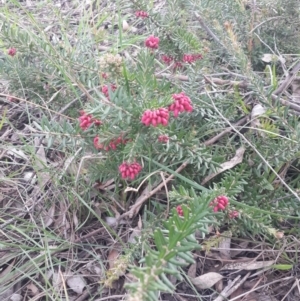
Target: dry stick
208 30
144 197
93 233
232 287
110 297
226 131
284 85
261 287
212 80
219 81
292 74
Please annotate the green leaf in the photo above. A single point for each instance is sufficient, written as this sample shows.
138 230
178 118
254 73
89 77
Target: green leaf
282 267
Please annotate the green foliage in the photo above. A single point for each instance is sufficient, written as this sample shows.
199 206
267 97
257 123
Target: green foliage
223 88
174 241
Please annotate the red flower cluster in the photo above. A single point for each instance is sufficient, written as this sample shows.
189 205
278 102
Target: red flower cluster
104 75
141 14
155 117
219 203
130 171
112 144
179 210
233 214
181 103
190 58
163 138
187 58
12 51
105 89
86 120
167 59
152 42
177 65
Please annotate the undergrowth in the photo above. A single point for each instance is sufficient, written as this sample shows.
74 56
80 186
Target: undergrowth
163 119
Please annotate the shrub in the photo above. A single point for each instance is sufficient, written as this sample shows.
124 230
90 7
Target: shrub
179 105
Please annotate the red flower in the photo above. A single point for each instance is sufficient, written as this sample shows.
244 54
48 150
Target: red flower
97 122
181 103
179 210
12 51
233 214
155 117
141 14
152 42
129 170
97 144
166 59
163 138
198 56
105 89
112 144
177 65
190 58
86 120
220 203
104 75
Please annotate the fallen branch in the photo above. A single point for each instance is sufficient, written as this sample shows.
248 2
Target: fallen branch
222 82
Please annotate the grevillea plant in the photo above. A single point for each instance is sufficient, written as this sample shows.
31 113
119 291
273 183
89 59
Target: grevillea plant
174 241
139 116
177 99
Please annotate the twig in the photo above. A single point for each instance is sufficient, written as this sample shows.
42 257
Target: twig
212 80
232 287
110 297
260 24
84 237
219 81
182 78
261 287
208 30
285 84
226 131
286 103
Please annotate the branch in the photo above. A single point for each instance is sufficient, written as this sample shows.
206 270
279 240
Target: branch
226 131
219 81
232 287
208 30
